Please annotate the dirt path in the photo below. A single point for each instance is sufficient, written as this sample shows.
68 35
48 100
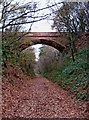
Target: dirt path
39 98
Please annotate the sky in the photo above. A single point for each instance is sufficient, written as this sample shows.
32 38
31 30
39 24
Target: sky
44 25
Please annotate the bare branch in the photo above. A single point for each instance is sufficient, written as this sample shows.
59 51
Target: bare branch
25 15
23 22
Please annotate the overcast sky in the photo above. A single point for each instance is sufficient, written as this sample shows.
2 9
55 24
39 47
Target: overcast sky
44 25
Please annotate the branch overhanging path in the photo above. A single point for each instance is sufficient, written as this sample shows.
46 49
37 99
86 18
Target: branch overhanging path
25 15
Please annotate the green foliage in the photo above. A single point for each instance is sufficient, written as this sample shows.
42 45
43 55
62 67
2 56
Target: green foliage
73 76
27 62
12 54
83 96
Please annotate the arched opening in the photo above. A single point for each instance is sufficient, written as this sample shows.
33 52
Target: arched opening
51 43
47 59
25 43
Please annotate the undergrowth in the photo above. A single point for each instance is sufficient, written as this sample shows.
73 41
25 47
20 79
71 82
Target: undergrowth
73 76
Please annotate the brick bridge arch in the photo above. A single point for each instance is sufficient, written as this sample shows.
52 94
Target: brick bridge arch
48 38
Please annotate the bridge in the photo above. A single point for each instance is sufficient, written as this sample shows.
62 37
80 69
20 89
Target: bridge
54 39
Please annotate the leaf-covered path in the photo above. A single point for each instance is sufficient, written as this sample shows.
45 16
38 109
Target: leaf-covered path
39 98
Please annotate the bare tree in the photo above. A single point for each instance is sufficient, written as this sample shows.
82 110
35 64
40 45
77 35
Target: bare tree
72 18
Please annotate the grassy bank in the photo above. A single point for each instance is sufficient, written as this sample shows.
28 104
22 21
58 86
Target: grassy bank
73 76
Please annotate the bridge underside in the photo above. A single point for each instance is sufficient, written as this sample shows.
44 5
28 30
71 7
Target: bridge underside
54 44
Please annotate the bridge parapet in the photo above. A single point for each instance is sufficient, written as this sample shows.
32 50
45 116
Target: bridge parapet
55 36
44 34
